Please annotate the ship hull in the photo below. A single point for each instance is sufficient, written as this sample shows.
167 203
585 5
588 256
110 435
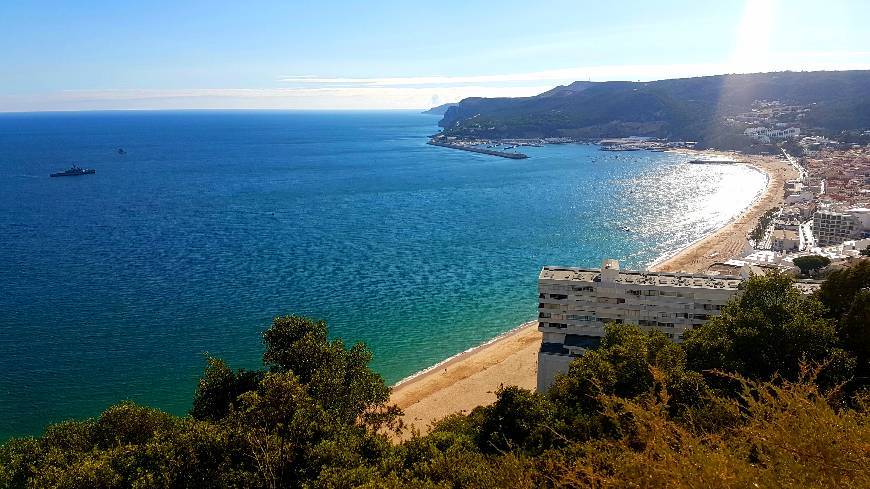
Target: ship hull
76 174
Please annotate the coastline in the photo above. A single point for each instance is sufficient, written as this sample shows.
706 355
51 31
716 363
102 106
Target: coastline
471 378
459 356
665 257
730 239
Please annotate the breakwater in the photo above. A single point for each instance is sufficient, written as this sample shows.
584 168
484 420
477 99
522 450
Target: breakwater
503 154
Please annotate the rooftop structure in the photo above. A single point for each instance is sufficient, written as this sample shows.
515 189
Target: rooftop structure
785 240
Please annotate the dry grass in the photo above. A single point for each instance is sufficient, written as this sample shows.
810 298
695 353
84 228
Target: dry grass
789 436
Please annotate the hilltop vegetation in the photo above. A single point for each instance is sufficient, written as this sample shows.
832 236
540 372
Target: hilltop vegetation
692 109
772 393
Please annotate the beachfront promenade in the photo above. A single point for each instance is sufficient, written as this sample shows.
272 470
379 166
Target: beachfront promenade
472 379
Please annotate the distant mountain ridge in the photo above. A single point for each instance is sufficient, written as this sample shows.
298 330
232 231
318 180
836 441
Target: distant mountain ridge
684 109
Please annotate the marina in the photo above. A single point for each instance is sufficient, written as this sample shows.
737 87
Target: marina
463 147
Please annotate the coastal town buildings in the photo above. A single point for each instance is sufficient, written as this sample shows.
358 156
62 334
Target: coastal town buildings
770 120
823 209
842 176
785 240
576 303
766 134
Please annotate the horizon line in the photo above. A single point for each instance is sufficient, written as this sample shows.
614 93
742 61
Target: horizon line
366 96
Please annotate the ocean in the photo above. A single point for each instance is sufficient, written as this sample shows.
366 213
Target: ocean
115 285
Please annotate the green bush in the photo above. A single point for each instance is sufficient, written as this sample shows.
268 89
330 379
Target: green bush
754 398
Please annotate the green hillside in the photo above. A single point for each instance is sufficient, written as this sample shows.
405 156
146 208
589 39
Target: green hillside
679 109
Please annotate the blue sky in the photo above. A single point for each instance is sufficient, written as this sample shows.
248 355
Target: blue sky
83 55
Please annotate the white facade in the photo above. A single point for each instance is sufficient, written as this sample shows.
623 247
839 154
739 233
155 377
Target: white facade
832 227
576 303
800 197
785 240
765 134
861 215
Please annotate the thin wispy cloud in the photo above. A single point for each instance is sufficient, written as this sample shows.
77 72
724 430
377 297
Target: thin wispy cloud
404 92
311 98
644 72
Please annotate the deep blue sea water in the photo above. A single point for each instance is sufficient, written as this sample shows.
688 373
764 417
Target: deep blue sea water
114 285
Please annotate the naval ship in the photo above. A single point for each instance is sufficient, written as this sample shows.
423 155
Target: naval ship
74 171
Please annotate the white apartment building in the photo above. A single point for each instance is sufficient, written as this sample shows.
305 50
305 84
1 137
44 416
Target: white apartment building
833 226
576 303
765 134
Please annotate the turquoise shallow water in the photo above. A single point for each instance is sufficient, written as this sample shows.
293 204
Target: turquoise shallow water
113 286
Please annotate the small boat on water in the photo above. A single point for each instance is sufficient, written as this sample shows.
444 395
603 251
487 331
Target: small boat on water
122 151
74 171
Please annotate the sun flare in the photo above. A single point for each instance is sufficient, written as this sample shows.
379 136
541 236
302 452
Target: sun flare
752 37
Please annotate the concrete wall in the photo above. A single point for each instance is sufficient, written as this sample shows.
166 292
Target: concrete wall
549 366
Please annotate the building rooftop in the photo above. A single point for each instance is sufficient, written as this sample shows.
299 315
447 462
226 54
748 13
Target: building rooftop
785 234
591 275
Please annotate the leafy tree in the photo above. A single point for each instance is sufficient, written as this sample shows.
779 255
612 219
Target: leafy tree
298 344
518 420
840 287
128 423
623 365
770 327
280 423
855 331
338 378
788 436
219 389
811 263
846 293
636 409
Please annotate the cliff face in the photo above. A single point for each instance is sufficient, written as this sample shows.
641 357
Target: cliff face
439 110
689 108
